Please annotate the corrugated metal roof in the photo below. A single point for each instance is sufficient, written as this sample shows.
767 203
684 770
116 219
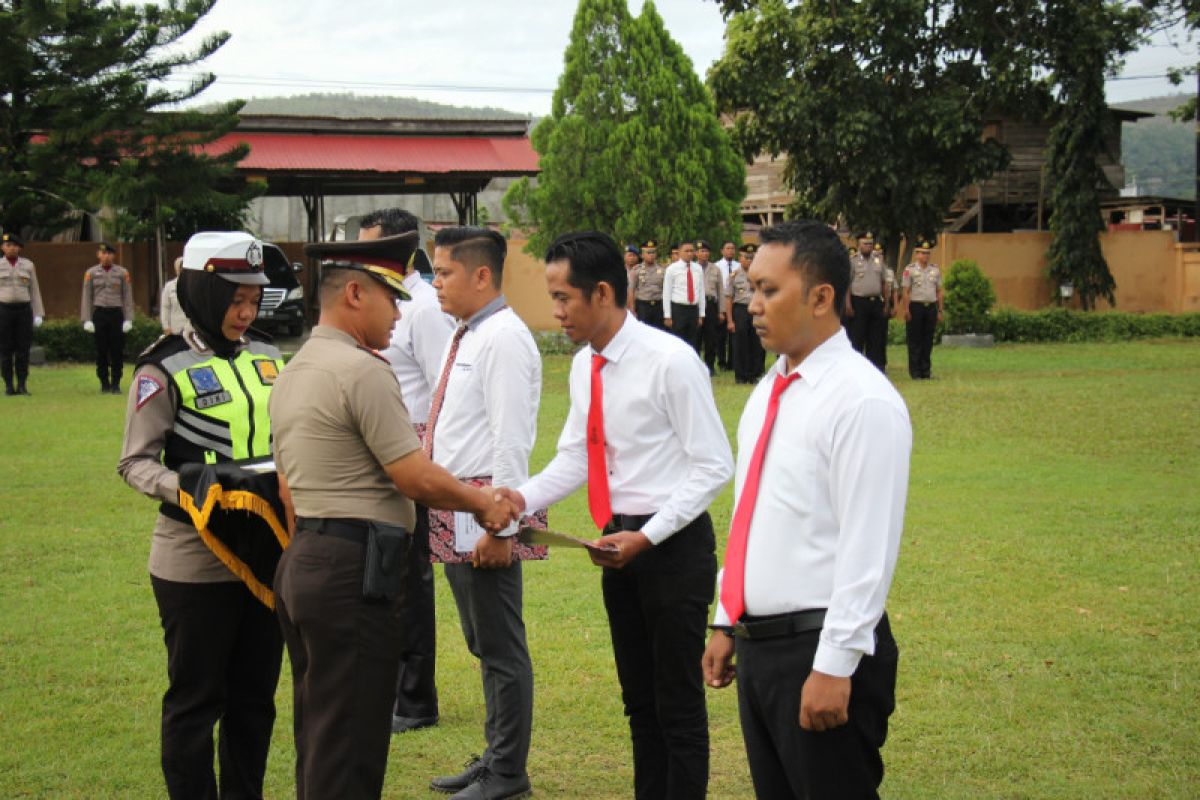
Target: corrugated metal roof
288 152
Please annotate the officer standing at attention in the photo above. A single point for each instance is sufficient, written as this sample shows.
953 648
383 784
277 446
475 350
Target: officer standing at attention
350 466
21 311
727 263
106 310
200 396
683 296
748 355
866 303
646 288
921 302
169 313
713 327
633 257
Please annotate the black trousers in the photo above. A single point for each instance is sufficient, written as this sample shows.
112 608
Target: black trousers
788 762
657 609
416 687
650 312
868 328
223 659
685 323
345 652
919 334
713 333
748 354
110 345
16 337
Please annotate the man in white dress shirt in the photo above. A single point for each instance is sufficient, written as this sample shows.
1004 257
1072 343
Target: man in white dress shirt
683 296
482 425
418 341
654 454
822 479
727 262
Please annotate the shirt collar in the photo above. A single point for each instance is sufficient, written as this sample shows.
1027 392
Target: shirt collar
332 333
820 360
412 279
491 308
621 340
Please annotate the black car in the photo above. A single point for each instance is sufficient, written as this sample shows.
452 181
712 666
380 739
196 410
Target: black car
282 308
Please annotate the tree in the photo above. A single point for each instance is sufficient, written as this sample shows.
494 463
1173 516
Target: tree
82 82
878 105
633 144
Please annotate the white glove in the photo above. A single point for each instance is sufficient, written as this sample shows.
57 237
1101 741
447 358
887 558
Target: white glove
89 326
126 326
37 322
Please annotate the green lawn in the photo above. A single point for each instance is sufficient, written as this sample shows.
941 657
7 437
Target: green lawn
1045 601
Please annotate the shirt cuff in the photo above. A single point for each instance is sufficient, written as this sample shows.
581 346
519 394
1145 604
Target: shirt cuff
657 532
836 661
534 500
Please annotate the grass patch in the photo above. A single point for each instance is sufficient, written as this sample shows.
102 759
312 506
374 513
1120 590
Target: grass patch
1044 602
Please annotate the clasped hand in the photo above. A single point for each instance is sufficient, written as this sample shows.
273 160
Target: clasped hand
495 552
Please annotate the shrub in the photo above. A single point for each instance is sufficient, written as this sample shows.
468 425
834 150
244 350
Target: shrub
66 340
1065 325
969 298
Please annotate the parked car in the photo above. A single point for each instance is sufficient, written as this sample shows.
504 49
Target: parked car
282 308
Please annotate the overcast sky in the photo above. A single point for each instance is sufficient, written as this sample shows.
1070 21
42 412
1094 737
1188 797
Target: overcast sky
474 52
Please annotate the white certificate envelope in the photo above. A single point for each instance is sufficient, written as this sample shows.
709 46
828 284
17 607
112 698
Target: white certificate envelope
467 531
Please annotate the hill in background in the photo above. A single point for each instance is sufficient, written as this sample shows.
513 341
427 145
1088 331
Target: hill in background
1159 153
355 106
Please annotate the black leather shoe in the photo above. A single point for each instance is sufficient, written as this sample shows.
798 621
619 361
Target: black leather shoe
22 390
10 391
116 389
491 786
406 724
474 768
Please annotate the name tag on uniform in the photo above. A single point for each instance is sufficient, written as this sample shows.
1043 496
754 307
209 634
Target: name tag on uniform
464 366
214 399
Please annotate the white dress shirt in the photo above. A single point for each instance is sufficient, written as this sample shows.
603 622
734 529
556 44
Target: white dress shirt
488 422
675 286
830 509
665 446
418 346
726 270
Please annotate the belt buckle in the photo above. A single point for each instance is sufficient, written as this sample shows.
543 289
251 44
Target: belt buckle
741 631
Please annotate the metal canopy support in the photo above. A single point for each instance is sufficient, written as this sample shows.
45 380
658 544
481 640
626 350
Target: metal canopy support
466 203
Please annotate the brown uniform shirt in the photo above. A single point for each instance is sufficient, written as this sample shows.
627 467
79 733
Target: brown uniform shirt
714 286
18 284
867 275
337 417
922 282
648 282
740 289
106 288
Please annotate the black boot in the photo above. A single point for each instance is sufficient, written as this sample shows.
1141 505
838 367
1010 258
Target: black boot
21 388
8 389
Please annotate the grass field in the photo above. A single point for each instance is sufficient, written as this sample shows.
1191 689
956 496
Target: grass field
1045 601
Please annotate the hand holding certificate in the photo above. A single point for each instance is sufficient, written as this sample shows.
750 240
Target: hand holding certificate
556 539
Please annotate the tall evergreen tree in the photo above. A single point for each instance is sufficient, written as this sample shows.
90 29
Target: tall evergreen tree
633 144
81 82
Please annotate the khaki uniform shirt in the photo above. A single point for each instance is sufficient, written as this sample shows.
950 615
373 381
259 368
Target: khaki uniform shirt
648 282
922 283
170 313
867 275
18 284
714 285
740 289
337 417
109 288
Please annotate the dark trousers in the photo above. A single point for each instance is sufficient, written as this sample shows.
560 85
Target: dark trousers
110 345
223 658
650 312
789 762
868 328
657 609
748 354
345 651
489 609
685 323
16 337
713 333
919 334
416 687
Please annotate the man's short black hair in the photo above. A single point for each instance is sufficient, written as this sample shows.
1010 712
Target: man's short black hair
391 221
817 252
593 258
475 247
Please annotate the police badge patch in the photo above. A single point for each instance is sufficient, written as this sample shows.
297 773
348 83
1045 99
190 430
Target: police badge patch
267 371
147 387
204 380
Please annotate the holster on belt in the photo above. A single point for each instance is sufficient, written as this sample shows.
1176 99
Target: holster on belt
383 564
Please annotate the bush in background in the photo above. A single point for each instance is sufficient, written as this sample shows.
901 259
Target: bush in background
969 298
1066 325
66 340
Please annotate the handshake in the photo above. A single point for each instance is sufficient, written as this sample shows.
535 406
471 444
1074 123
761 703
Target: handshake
501 508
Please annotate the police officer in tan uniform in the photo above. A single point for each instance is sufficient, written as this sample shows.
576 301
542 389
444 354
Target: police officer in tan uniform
866 302
21 311
350 466
106 309
921 303
646 288
714 306
748 354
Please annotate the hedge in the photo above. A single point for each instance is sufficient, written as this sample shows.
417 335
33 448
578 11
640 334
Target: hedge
66 340
1066 325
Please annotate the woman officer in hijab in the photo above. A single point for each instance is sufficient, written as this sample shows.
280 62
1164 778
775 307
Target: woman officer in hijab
199 397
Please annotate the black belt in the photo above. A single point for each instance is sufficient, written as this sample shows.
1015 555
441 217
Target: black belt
874 297
710 299
777 625
16 304
629 522
651 302
354 530
923 303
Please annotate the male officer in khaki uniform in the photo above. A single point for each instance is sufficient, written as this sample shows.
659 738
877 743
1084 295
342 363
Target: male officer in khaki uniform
350 466
646 288
713 325
921 302
106 310
866 302
21 311
748 354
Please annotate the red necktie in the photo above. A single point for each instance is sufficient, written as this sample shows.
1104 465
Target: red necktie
439 394
691 287
733 581
598 500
